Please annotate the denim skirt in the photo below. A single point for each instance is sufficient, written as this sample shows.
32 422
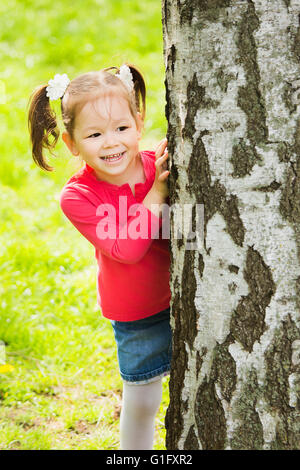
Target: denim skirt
144 348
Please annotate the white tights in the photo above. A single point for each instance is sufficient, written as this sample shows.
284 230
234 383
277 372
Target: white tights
139 407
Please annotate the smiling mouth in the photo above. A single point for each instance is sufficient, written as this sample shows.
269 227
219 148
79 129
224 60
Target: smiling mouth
113 158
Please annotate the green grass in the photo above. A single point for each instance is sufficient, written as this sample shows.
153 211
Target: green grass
65 390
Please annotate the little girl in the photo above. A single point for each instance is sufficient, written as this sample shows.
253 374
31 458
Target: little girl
115 200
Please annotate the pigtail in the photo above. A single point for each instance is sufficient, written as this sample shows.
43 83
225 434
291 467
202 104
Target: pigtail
42 127
139 89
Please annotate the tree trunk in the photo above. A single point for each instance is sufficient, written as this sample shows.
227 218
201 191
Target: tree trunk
232 92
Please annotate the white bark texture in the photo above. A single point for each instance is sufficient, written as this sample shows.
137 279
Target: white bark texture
232 92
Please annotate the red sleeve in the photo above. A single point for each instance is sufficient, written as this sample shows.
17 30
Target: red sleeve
99 225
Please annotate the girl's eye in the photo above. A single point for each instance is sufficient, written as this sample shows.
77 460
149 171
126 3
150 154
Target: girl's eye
94 135
122 128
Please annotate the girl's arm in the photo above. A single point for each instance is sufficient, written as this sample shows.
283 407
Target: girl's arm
159 191
121 242
94 223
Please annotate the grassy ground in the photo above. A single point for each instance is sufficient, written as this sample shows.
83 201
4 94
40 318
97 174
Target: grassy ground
60 386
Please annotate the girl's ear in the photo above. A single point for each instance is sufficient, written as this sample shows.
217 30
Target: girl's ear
139 124
70 143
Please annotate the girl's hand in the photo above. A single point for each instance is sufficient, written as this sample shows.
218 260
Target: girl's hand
162 172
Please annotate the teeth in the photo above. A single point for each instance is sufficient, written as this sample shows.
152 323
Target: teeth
112 156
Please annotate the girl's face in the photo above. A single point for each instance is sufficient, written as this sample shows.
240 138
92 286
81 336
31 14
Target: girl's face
107 137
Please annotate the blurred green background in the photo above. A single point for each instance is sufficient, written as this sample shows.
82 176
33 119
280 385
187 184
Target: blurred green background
59 382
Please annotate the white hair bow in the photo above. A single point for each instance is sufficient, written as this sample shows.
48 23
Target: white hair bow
126 76
57 86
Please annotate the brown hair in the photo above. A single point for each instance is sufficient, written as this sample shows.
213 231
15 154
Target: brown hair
42 121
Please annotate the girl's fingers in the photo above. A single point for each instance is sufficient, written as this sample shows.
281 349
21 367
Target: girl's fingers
161 159
159 145
161 164
163 176
162 142
160 148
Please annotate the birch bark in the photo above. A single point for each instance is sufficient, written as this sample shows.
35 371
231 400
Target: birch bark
233 94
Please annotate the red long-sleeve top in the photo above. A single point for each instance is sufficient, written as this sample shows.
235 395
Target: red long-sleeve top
133 258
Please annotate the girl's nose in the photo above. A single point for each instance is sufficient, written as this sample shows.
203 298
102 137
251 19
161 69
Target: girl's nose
108 140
